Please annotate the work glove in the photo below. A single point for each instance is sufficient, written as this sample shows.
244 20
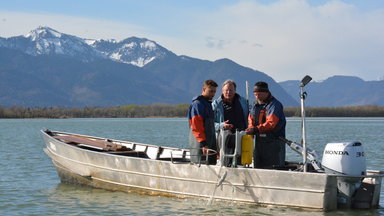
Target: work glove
204 147
203 144
251 131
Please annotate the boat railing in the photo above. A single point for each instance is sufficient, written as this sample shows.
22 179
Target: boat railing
179 156
223 147
175 155
199 156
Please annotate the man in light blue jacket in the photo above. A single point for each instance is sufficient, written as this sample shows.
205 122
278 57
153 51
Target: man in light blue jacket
230 112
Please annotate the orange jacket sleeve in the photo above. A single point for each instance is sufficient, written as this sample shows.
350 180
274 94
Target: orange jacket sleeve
251 121
197 127
270 123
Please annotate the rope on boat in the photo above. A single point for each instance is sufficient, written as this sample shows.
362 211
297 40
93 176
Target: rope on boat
219 182
221 179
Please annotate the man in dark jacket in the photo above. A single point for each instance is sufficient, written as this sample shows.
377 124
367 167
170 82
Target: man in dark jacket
267 121
202 125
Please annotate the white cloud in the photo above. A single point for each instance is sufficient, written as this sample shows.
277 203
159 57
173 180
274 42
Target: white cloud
289 39
16 23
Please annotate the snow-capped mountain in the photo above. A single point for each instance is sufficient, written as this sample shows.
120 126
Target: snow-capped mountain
133 50
49 68
47 41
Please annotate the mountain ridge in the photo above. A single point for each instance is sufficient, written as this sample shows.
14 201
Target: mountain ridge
58 69
340 90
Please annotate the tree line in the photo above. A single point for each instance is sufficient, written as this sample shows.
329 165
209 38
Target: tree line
128 111
171 110
348 111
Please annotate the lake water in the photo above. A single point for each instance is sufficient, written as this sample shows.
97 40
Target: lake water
29 184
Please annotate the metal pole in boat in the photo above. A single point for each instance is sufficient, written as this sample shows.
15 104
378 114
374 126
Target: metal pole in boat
246 92
254 137
303 94
221 136
234 159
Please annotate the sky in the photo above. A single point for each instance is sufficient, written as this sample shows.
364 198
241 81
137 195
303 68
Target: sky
286 39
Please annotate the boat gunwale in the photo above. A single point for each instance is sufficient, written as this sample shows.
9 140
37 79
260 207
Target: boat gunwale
114 140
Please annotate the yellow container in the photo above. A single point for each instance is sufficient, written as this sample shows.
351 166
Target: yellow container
246 149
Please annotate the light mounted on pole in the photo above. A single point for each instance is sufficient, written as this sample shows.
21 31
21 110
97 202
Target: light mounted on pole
303 95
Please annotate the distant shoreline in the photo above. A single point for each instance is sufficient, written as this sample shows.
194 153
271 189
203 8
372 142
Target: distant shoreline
348 111
169 111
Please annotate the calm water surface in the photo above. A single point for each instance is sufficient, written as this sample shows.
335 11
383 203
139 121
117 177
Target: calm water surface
29 184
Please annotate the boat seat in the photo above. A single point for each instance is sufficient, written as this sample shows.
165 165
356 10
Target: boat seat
90 143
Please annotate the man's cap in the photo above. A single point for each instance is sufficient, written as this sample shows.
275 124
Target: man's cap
261 87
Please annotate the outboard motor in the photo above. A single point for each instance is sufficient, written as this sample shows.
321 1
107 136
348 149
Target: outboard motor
345 158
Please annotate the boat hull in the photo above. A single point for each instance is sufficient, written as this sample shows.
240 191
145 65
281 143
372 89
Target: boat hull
157 177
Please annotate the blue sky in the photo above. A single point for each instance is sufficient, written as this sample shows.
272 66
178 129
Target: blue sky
285 39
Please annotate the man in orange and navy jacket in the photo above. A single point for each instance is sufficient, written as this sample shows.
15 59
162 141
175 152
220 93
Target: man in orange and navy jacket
202 125
267 122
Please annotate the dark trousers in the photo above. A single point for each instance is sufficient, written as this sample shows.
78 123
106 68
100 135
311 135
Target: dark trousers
269 152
